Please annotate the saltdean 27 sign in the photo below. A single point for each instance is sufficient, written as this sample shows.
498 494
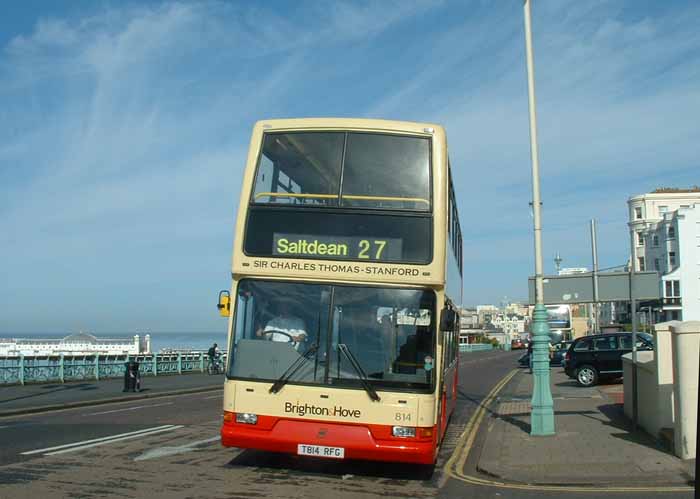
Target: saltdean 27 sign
362 248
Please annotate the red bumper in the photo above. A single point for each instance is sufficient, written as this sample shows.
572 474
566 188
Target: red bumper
371 442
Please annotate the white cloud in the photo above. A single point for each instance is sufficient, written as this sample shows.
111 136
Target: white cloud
123 138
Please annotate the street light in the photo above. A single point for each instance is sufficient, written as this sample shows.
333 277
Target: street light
542 415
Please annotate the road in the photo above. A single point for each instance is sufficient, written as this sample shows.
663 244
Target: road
168 447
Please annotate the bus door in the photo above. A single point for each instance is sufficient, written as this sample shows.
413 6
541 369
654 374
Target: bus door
448 392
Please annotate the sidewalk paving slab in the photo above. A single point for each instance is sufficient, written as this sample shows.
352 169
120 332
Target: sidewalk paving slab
18 399
593 445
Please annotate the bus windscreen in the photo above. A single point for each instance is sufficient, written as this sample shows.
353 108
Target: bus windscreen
389 332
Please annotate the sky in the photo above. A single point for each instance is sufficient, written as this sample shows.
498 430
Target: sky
124 128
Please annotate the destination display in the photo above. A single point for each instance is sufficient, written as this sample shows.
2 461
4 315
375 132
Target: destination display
316 246
343 236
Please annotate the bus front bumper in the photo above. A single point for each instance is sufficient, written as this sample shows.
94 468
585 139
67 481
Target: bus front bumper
359 441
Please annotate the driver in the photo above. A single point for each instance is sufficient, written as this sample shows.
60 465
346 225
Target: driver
285 327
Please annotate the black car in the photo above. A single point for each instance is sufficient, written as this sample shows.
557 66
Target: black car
555 359
560 350
597 357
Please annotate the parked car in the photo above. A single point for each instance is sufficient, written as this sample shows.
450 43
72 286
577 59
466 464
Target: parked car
517 344
559 353
523 361
591 359
555 360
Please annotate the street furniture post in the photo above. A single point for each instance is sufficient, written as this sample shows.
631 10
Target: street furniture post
594 250
633 312
542 415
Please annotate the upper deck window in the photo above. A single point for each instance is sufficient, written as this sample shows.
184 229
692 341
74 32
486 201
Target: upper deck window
339 169
299 168
387 171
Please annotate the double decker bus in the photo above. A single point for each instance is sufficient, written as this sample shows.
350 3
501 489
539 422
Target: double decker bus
346 278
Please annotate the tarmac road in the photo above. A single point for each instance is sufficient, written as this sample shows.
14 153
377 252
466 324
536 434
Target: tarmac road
94 452
32 432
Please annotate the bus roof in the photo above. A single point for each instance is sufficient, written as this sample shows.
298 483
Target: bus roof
350 123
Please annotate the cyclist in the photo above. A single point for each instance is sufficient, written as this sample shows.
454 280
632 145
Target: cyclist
214 354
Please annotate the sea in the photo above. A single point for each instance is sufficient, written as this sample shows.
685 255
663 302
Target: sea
159 341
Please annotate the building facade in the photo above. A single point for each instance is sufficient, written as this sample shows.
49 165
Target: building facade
666 232
468 318
486 313
515 326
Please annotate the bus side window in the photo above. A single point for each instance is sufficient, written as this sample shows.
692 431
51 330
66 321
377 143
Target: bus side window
447 348
245 312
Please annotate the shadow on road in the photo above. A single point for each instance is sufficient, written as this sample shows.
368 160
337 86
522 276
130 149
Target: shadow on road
572 383
292 465
616 418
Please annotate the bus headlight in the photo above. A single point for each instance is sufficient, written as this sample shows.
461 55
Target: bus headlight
246 418
403 432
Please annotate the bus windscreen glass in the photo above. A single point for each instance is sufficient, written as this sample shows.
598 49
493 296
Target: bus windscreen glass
344 169
389 331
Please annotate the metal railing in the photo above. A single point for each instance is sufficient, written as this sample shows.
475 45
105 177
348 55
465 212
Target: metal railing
475 347
62 368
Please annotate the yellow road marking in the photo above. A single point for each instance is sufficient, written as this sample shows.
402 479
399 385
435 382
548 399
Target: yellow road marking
466 439
455 465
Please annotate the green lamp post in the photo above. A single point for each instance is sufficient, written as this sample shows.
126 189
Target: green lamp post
542 415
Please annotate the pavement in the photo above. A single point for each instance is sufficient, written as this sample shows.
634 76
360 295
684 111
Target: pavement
40 397
594 443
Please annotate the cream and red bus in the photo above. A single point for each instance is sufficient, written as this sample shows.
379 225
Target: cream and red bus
346 278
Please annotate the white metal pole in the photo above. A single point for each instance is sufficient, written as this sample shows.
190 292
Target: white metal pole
534 157
594 249
542 414
633 312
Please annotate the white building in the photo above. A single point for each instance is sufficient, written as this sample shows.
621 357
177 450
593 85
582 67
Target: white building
468 318
612 312
512 324
666 227
75 344
486 313
516 308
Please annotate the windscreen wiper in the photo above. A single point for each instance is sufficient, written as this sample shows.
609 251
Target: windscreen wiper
291 370
360 372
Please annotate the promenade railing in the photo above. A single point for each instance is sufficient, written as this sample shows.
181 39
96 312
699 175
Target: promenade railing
475 347
61 368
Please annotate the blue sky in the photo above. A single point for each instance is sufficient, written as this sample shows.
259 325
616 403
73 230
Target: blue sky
124 128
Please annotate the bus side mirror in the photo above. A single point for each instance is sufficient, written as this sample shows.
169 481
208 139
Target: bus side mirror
448 319
224 304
